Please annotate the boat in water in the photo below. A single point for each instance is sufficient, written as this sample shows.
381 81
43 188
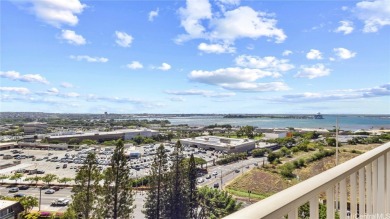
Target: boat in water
318 116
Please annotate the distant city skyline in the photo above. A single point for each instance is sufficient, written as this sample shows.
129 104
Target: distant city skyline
195 56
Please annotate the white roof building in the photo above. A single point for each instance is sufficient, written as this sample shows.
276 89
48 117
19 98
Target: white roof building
217 143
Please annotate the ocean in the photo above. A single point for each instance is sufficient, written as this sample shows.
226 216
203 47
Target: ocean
346 122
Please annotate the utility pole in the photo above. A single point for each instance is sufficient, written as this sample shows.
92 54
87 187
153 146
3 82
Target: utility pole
221 179
40 198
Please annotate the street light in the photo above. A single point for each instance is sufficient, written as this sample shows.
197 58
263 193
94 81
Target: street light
40 198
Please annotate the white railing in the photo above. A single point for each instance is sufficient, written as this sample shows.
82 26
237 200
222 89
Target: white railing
368 197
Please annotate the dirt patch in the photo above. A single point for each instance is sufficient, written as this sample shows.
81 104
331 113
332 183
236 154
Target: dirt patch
260 182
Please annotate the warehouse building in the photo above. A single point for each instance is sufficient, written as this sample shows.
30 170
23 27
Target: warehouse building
229 145
125 134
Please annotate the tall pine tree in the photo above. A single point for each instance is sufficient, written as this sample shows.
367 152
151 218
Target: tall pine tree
118 196
87 189
177 203
156 197
191 188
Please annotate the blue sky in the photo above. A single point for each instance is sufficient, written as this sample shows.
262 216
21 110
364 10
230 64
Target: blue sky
195 56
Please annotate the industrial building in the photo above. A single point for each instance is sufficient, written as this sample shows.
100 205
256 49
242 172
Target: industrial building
33 128
229 145
125 134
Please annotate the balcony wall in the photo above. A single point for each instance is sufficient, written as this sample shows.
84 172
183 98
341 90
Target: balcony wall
368 176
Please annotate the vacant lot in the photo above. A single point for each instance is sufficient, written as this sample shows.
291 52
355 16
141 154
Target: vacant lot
265 182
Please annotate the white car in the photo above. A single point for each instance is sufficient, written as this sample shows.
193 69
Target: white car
200 180
215 173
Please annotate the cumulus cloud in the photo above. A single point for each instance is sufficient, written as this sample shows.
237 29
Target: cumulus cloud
177 99
191 16
244 22
88 58
134 65
16 76
17 90
375 14
216 48
379 91
268 63
53 90
72 38
314 54
205 93
66 85
71 94
229 75
343 53
314 71
346 27
153 14
123 39
256 87
238 79
55 12
164 67
228 25
287 52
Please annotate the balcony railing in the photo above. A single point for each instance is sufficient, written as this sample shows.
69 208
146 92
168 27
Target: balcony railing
368 197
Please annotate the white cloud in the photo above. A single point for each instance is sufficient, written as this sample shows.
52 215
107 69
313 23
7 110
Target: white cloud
256 87
191 16
205 93
134 65
375 14
123 39
56 12
314 71
153 14
16 76
18 90
89 58
66 85
164 67
177 99
72 38
314 54
346 27
216 48
244 22
268 63
380 91
287 52
230 2
229 75
343 53
228 25
71 94
53 90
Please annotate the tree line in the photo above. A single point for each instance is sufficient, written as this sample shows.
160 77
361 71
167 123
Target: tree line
172 191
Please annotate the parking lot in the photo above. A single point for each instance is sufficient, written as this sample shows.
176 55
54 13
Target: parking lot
65 163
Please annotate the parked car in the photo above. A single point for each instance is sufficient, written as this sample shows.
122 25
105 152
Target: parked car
15 189
60 202
24 187
56 188
237 171
19 195
45 187
208 176
216 185
215 173
65 165
40 172
58 166
200 180
50 191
